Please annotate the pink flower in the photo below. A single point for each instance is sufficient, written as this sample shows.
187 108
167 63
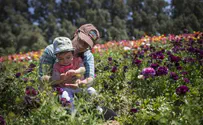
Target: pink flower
147 72
27 92
114 69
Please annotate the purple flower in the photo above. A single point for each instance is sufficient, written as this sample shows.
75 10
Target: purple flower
137 62
125 68
169 53
191 49
18 75
110 59
112 77
182 90
184 73
28 70
65 102
32 65
175 59
162 70
59 90
2 121
147 72
134 110
189 60
174 76
157 55
114 69
186 80
154 65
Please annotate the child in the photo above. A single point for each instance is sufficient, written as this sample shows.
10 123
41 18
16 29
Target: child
64 52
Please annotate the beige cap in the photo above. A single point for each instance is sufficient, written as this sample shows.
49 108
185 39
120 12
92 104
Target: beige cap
88 33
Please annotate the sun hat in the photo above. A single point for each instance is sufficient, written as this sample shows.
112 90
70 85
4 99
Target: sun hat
87 33
62 44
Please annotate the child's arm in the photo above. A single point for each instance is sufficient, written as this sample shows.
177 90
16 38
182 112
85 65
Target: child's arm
81 83
86 82
57 78
80 70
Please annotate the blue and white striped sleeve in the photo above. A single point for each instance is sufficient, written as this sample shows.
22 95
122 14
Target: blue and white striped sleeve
89 64
47 61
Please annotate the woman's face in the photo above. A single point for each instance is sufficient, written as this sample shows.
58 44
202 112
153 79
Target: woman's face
65 58
81 46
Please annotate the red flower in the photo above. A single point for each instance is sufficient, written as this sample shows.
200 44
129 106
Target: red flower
134 110
114 69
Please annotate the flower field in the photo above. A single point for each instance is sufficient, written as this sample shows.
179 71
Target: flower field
154 80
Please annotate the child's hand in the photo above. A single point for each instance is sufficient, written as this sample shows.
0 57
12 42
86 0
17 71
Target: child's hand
63 76
74 86
71 72
45 78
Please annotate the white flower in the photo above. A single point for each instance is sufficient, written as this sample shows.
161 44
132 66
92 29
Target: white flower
148 44
140 77
126 48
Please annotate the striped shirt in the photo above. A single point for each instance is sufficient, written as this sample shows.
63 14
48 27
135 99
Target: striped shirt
48 59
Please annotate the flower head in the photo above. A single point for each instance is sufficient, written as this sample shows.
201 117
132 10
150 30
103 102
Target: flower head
147 72
137 62
2 121
30 91
18 75
134 110
140 77
182 90
59 90
186 80
154 65
114 69
175 59
110 58
125 68
65 102
162 70
32 65
174 76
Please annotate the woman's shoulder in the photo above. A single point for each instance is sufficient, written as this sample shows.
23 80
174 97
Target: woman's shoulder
88 52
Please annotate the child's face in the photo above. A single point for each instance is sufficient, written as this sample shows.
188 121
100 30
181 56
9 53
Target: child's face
65 58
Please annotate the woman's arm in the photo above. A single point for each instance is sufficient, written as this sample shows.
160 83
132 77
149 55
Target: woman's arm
89 64
46 63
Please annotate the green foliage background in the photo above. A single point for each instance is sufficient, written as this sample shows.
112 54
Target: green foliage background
27 25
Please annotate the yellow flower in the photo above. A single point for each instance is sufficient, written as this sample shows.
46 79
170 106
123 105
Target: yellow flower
18 100
11 115
43 121
54 93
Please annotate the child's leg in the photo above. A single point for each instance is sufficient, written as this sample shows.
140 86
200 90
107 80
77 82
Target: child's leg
65 99
71 96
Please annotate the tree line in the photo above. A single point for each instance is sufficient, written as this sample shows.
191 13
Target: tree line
27 25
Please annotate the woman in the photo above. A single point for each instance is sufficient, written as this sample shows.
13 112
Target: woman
84 39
